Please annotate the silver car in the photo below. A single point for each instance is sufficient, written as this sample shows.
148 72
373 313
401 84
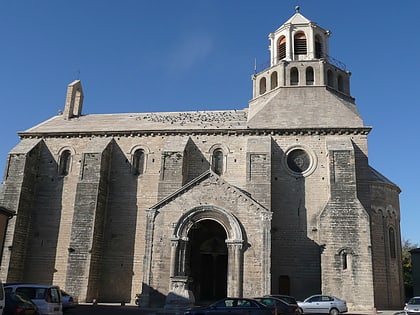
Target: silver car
412 307
323 304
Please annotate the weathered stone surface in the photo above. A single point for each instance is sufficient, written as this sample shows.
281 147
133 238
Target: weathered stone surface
276 198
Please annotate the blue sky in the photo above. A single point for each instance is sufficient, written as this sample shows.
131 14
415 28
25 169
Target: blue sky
167 55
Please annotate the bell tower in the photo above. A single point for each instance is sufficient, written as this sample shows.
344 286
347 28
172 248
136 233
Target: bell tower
298 39
301 74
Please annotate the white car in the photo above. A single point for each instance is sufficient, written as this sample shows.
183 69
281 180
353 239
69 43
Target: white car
323 304
46 297
412 307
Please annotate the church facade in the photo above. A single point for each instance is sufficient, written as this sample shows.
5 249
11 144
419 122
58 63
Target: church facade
194 206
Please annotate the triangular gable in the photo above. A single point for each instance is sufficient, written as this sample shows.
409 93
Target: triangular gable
203 177
297 18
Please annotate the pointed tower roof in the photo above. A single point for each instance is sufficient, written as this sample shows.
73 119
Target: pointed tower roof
303 87
297 18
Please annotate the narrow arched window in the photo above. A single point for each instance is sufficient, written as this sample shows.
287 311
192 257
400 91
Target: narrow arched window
318 47
330 78
217 161
340 83
392 243
344 260
281 48
300 44
294 76
263 86
64 166
309 76
274 81
138 162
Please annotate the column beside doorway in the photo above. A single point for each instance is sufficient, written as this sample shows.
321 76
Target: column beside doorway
179 295
235 287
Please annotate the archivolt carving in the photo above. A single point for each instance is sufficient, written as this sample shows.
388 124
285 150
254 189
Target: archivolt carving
229 222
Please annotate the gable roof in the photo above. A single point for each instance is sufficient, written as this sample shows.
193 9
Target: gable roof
140 122
205 176
377 177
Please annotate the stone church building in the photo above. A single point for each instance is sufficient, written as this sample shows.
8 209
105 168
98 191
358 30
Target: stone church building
178 207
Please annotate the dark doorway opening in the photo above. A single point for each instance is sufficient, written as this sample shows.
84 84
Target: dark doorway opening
284 285
208 261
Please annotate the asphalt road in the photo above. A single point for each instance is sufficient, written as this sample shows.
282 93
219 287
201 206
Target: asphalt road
88 309
110 310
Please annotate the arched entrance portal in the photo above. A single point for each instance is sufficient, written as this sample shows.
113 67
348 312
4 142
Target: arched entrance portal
208 261
206 255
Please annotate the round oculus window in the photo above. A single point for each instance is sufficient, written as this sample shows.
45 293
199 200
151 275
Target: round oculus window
298 160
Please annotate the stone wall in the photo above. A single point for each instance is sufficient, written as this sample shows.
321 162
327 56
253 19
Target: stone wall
98 236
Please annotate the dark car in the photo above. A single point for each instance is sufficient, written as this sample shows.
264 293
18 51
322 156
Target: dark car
232 306
286 298
280 307
19 304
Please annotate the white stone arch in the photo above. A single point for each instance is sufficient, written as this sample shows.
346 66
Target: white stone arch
323 36
146 152
297 34
235 240
207 212
225 150
60 161
62 149
345 255
390 212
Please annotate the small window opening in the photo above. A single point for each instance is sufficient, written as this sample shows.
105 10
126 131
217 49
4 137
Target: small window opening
340 83
318 48
330 78
294 76
344 260
309 76
65 160
392 250
218 162
274 81
300 44
263 86
138 162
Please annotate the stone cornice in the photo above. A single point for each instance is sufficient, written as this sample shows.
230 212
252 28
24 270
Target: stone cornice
184 132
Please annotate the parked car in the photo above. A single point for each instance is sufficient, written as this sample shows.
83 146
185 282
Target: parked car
232 306
278 306
19 304
67 300
46 297
286 298
412 307
323 304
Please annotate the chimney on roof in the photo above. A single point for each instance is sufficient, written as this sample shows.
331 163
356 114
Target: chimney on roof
74 100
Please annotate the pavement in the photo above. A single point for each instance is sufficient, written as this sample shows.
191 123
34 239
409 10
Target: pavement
162 311
165 311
